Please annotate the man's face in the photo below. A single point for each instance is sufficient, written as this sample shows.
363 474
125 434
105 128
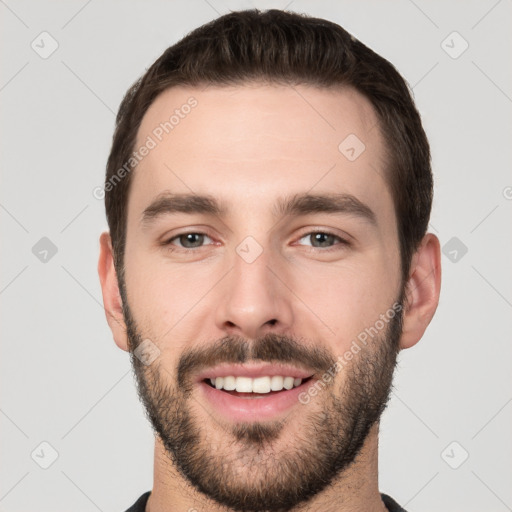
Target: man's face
257 294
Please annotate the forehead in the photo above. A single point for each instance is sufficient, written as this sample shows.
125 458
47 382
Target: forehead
252 141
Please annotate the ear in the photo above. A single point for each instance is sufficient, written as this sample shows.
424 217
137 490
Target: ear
112 301
422 290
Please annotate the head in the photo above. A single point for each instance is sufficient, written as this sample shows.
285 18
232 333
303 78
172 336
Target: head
268 193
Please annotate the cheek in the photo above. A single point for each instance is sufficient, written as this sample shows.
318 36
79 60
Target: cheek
161 295
347 298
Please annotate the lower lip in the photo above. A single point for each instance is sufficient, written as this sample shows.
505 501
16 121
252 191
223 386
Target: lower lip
252 409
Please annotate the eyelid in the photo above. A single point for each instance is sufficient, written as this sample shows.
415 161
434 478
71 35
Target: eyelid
341 244
345 237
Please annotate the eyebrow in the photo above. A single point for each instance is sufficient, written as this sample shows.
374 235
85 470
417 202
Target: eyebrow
296 205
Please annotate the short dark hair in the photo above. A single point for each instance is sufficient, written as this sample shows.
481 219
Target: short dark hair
280 47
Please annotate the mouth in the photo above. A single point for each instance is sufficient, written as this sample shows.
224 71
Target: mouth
253 393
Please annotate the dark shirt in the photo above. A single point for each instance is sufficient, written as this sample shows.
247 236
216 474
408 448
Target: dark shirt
140 504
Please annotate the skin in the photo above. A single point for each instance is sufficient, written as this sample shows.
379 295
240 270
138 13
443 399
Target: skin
248 146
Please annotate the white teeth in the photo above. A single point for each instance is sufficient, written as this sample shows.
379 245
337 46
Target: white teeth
257 385
261 385
229 383
243 384
276 384
288 383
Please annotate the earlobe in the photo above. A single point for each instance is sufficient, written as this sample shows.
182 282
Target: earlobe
422 290
112 301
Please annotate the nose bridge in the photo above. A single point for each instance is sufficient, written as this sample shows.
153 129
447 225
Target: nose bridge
252 298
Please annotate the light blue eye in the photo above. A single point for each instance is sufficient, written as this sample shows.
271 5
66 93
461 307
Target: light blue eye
323 238
190 240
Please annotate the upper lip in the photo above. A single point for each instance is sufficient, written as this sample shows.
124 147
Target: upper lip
253 371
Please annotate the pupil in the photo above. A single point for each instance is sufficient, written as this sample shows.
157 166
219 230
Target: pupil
318 237
189 237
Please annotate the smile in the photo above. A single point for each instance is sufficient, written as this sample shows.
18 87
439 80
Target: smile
244 393
259 385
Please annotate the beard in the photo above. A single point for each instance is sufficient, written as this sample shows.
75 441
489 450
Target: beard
260 466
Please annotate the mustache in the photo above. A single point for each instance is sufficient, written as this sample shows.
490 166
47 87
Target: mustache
270 348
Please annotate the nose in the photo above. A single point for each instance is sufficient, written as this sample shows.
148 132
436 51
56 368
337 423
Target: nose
253 298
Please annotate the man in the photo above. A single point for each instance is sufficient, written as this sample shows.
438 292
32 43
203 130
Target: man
268 193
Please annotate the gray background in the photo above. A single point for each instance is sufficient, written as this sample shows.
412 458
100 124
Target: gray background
64 382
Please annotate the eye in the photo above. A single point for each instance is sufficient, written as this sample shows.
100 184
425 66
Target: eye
319 240
191 240
324 239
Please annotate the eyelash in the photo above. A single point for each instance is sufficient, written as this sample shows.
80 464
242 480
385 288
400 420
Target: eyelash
341 241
